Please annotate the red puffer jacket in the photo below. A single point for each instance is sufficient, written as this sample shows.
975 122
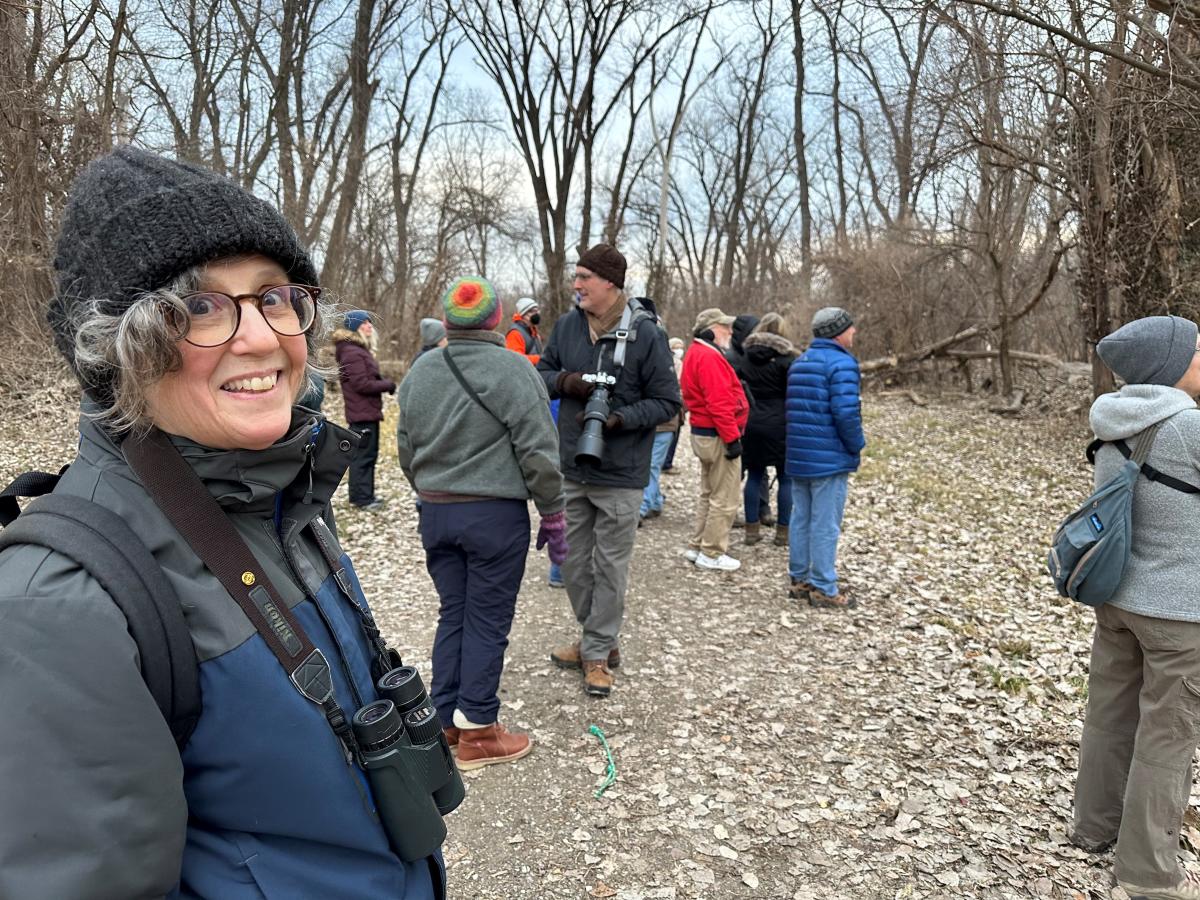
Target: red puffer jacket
712 392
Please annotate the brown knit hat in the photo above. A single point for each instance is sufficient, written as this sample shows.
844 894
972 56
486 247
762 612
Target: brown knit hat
606 261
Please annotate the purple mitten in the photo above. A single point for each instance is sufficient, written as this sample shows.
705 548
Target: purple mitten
553 532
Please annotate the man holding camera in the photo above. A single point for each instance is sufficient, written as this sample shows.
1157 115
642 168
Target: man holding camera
605 438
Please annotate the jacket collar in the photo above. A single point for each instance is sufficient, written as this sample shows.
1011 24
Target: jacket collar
454 335
249 480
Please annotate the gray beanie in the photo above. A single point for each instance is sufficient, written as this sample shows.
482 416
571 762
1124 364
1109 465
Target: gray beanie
1153 350
830 322
432 331
135 220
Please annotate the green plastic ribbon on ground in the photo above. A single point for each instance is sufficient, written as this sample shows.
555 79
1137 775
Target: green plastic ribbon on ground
610 774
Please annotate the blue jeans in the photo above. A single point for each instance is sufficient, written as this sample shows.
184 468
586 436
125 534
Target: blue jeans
652 497
817 505
757 487
555 576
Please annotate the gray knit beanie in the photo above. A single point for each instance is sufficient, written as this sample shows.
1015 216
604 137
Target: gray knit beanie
830 322
432 331
134 221
1153 350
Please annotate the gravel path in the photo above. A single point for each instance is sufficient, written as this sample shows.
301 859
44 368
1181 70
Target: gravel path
922 745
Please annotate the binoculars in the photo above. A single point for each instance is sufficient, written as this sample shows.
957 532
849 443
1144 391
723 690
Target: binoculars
408 763
591 442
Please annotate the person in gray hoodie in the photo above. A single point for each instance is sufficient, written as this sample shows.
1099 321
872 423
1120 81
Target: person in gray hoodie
476 441
1143 713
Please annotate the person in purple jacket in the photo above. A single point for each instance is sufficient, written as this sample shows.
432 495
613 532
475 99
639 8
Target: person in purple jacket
363 388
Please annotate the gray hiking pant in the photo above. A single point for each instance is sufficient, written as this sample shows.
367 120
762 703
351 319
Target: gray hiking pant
601 525
1141 730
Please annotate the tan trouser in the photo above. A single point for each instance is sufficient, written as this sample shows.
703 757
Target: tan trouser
720 491
1141 730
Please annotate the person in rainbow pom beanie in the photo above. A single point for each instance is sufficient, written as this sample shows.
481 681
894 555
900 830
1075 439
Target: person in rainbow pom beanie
476 441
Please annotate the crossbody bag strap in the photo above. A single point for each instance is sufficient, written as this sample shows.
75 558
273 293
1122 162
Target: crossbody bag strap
466 385
178 491
1151 473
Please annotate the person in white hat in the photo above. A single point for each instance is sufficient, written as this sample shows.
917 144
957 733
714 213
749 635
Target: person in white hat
523 336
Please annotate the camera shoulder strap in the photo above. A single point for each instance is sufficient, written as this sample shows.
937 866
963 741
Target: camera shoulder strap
178 491
466 385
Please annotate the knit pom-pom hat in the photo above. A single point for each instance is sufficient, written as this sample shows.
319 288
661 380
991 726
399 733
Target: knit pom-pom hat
471 303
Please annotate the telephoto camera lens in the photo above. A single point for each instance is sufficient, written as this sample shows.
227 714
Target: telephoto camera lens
590 446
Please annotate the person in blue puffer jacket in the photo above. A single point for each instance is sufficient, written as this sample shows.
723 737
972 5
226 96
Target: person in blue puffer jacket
824 440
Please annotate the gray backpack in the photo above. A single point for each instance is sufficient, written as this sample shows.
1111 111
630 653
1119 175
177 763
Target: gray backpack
1090 548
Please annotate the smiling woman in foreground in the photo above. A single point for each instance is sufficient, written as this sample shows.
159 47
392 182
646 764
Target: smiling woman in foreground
190 313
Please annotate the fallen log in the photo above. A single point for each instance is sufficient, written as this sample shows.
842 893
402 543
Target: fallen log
1014 404
934 349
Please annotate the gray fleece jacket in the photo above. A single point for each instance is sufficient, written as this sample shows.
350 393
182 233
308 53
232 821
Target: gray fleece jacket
448 443
1163 577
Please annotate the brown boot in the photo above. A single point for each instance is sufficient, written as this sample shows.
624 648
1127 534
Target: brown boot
568 657
781 535
597 678
753 533
451 734
478 747
841 600
799 590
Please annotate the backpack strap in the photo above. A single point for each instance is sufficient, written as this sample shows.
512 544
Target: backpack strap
27 484
1149 471
100 542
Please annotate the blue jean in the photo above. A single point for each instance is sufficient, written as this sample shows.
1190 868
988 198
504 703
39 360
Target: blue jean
817 506
758 486
652 497
475 552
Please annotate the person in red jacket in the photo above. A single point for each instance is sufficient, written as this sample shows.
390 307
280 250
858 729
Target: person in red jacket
717 405
363 388
523 336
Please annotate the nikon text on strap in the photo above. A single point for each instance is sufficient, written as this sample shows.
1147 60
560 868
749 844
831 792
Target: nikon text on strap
186 502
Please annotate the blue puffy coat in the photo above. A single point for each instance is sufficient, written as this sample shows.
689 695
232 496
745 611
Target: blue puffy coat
824 412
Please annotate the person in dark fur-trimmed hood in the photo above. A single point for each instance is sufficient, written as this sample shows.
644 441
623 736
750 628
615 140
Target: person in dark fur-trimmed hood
767 353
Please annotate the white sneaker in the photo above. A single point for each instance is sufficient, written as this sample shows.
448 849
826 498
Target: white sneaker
690 555
723 563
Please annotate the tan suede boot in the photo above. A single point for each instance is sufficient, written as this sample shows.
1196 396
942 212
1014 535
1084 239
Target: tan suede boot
781 535
597 678
753 533
567 657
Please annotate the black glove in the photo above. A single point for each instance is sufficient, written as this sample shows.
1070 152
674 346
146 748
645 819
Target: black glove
733 449
571 384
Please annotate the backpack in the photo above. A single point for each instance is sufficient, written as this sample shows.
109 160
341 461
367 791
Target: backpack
100 542
1090 548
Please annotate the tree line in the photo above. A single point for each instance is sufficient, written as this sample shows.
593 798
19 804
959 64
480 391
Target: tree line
986 185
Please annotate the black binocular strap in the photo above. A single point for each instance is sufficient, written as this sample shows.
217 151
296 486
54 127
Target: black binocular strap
183 498
466 385
101 543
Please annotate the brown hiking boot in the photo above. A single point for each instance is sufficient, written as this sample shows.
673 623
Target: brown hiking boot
781 535
478 747
838 601
451 734
597 678
568 657
753 533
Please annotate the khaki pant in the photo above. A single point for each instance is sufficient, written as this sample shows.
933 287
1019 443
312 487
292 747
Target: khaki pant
1141 730
720 491
601 527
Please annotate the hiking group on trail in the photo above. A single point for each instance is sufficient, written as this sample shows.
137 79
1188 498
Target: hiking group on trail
197 699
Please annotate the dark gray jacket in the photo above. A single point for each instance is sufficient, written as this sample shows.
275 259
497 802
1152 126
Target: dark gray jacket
95 799
646 394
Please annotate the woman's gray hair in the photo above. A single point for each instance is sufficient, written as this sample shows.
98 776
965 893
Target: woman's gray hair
140 346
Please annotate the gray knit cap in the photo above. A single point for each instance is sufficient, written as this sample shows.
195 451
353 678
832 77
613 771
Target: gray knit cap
134 221
830 322
432 331
1153 350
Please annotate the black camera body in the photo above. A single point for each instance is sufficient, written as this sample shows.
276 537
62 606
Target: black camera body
408 764
591 442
